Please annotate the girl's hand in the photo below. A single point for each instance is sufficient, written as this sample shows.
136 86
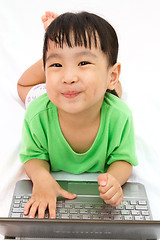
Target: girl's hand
47 18
44 194
110 189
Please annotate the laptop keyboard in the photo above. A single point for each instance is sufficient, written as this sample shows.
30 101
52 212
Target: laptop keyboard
130 209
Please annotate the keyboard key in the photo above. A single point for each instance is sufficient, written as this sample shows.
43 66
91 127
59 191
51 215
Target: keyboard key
129 207
15 215
139 218
142 202
89 205
129 217
58 215
118 217
133 202
83 211
145 213
107 217
63 210
26 197
94 211
17 201
24 216
76 216
125 212
97 217
23 204
59 205
18 197
120 207
105 211
136 213
116 212
68 205
125 202
73 210
109 207
78 205
17 210
98 206
65 216
141 207
86 216
16 205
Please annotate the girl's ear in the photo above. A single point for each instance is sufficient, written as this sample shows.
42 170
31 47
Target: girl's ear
114 75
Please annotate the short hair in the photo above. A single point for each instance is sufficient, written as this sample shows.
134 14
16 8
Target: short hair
82 29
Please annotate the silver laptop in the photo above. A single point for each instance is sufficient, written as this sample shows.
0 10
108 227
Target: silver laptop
87 216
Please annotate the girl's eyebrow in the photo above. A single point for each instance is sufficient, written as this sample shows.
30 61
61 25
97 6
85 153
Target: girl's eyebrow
86 53
54 55
78 54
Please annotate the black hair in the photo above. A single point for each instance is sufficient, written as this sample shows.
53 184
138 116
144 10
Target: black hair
82 29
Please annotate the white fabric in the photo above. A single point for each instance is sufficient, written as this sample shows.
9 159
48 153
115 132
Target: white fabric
21 41
34 93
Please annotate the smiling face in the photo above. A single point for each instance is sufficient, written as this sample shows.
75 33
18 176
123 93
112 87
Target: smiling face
79 56
78 77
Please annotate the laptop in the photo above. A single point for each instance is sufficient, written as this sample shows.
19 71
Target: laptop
86 217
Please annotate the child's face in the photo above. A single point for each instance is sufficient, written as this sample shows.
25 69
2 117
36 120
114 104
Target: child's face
77 78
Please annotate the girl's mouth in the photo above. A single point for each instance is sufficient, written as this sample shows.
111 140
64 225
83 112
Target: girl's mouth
71 94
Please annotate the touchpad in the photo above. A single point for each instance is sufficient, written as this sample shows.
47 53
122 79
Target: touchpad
81 188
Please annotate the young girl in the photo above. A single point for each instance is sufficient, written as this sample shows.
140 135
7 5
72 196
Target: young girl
77 126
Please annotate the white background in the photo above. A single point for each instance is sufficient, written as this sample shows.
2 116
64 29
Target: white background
137 24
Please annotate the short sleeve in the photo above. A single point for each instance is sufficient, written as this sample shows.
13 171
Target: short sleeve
34 144
124 149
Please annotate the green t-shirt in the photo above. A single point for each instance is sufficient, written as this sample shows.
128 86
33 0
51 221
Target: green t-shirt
42 138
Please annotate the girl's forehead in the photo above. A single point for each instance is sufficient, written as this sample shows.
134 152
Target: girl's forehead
53 49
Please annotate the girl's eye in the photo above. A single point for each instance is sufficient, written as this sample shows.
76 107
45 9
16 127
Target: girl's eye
56 65
83 63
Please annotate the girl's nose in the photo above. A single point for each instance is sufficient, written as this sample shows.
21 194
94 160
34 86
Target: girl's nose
70 77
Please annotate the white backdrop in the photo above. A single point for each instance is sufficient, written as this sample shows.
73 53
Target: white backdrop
21 39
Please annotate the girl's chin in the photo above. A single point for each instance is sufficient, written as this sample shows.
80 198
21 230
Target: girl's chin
71 109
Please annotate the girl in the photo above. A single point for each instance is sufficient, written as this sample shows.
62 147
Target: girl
78 125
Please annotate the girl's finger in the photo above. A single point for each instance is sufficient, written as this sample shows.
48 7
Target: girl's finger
66 194
33 209
107 195
116 199
102 179
41 210
28 205
52 209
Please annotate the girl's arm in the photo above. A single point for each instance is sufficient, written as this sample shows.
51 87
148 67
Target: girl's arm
121 170
32 76
35 74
